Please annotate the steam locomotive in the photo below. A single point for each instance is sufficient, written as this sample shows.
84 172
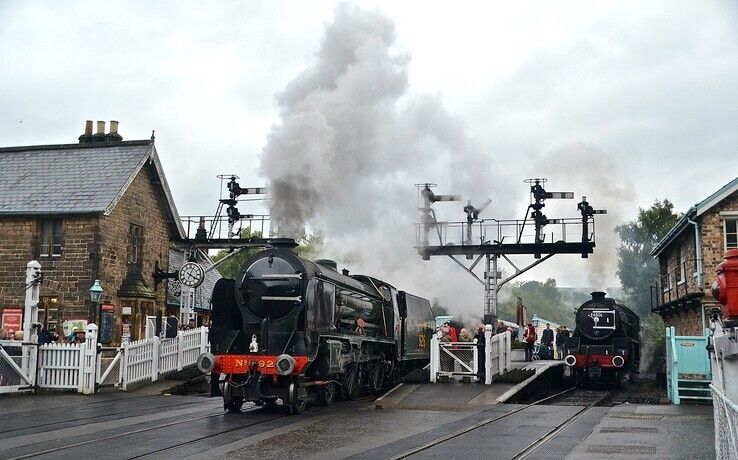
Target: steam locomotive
299 331
605 345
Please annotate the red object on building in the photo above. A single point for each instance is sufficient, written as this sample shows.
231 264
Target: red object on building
12 319
725 287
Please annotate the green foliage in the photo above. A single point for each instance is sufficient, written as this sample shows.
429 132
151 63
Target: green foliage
637 269
543 299
309 246
653 345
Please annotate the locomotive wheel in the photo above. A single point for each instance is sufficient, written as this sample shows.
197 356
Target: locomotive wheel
327 394
297 398
376 379
352 385
231 402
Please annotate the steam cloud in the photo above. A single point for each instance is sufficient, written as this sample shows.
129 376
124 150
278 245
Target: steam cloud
351 143
585 168
353 139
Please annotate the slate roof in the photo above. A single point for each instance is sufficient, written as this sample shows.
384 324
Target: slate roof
74 178
694 212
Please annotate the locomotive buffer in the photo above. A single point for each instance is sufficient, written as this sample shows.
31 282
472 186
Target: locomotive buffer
490 239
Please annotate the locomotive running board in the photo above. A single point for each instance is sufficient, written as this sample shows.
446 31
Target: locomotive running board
293 299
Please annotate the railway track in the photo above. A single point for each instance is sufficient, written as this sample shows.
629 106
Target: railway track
105 439
569 397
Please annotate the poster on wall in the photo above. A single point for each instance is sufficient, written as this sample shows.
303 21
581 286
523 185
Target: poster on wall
107 319
12 320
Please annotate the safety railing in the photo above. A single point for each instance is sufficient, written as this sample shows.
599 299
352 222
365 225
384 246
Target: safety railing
17 365
498 354
150 358
725 414
509 231
462 359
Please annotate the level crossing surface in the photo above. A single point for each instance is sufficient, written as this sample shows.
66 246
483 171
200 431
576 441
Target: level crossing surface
466 418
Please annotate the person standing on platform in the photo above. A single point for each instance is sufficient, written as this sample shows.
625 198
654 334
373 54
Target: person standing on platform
481 342
547 338
561 339
529 339
452 332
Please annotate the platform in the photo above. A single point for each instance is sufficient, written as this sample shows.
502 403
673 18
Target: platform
646 431
456 396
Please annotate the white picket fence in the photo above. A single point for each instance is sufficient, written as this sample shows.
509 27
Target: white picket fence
460 359
81 367
149 358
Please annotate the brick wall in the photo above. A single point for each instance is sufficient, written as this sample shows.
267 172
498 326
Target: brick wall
140 205
94 247
67 277
17 237
686 321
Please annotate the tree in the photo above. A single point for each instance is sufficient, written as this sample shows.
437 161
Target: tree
637 269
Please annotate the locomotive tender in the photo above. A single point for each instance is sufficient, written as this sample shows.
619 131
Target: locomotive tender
291 329
605 344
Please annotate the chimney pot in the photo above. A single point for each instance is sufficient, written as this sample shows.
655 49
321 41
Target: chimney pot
88 128
100 127
113 126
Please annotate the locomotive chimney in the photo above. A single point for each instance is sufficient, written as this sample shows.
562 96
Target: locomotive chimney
598 295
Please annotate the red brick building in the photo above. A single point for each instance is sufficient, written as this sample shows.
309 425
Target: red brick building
687 258
97 209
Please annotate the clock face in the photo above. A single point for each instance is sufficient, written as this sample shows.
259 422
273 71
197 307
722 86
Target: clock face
191 274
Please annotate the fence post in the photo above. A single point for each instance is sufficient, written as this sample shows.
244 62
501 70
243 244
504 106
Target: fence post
475 365
124 367
488 354
508 351
30 319
155 346
434 358
203 339
180 350
88 368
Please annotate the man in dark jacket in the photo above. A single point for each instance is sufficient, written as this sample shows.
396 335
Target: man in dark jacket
547 338
561 339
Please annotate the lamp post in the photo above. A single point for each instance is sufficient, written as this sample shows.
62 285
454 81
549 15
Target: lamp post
95 294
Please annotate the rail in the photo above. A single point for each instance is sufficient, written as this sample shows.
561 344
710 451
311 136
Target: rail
674 285
218 227
508 231
726 425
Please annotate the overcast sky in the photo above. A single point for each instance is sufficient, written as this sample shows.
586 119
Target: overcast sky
624 102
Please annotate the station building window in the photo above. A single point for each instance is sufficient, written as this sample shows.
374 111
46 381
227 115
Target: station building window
51 238
731 233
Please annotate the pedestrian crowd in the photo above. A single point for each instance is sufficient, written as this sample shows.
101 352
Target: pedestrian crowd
548 339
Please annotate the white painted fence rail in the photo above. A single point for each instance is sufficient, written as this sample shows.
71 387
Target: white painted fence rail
460 359
82 368
148 359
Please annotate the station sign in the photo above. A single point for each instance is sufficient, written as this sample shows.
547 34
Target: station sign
12 319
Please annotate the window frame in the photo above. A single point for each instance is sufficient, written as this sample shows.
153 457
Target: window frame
733 219
134 249
680 268
51 237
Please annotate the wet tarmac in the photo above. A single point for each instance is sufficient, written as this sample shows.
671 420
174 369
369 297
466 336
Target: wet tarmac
416 421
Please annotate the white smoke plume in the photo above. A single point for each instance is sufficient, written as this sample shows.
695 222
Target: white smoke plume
590 172
351 143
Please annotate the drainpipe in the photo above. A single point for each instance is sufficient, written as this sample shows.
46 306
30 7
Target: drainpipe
698 253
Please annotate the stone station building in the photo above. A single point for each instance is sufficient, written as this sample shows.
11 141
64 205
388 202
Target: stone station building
687 258
97 209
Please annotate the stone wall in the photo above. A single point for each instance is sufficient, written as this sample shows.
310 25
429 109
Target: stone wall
94 247
66 277
141 205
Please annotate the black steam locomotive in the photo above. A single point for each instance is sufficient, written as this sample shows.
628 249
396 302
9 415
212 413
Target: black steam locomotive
605 345
295 330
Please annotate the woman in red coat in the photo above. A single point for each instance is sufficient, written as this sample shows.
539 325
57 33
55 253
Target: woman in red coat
529 339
